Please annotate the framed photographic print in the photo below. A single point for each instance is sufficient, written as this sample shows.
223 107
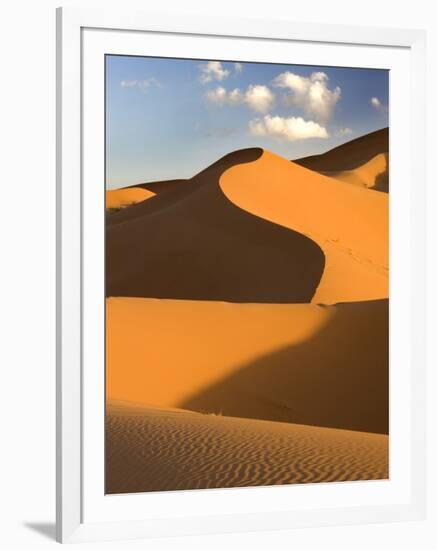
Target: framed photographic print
240 275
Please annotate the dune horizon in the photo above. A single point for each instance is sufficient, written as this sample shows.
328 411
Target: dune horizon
247 317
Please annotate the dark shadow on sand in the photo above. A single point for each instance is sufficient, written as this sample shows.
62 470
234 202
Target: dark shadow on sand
349 155
196 244
338 378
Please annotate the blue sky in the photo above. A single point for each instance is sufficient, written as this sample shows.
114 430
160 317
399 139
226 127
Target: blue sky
170 118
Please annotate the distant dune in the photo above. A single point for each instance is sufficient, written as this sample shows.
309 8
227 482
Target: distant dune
362 161
120 198
349 155
166 450
302 363
372 174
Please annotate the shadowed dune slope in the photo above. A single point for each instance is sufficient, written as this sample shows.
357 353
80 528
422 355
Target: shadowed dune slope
170 192
372 174
158 187
349 155
348 223
159 450
200 246
301 363
120 198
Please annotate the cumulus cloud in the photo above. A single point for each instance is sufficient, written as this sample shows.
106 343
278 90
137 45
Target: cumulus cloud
259 98
213 70
311 94
218 95
287 129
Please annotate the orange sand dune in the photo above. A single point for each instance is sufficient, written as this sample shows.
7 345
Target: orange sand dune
158 187
301 363
348 223
157 450
362 161
198 245
253 228
349 155
373 174
120 198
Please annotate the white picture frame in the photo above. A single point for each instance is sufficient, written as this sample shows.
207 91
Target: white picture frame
83 37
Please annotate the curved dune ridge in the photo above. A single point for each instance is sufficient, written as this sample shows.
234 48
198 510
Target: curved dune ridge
348 223
120 198
199 245
150 449
372 174
247 323
301 363
349 155
362 161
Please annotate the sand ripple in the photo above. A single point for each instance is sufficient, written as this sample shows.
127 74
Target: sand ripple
161 450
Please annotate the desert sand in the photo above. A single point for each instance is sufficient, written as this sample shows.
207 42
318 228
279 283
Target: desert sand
247 323
362 161
349 224
271 224
372 174
151 449
120 198
302 363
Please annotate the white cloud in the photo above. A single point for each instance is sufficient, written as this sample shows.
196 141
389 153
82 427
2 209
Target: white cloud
213 70
344 132
375 102
310 93
128 83
259 98
238 67
287 129
235 97
218 95
141 84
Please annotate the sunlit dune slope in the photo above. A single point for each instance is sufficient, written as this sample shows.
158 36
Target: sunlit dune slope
362 161
119 198
197 244
349 155
347 222
372 174
301 363
159 450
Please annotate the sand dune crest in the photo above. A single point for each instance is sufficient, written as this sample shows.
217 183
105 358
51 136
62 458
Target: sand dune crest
349 224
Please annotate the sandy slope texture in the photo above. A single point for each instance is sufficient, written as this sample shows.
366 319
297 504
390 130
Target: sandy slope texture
349 155
162 450
348 223
372 174
196 244
362 161
120 198
301 363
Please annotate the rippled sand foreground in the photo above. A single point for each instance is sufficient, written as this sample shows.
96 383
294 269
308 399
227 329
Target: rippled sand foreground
159 450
